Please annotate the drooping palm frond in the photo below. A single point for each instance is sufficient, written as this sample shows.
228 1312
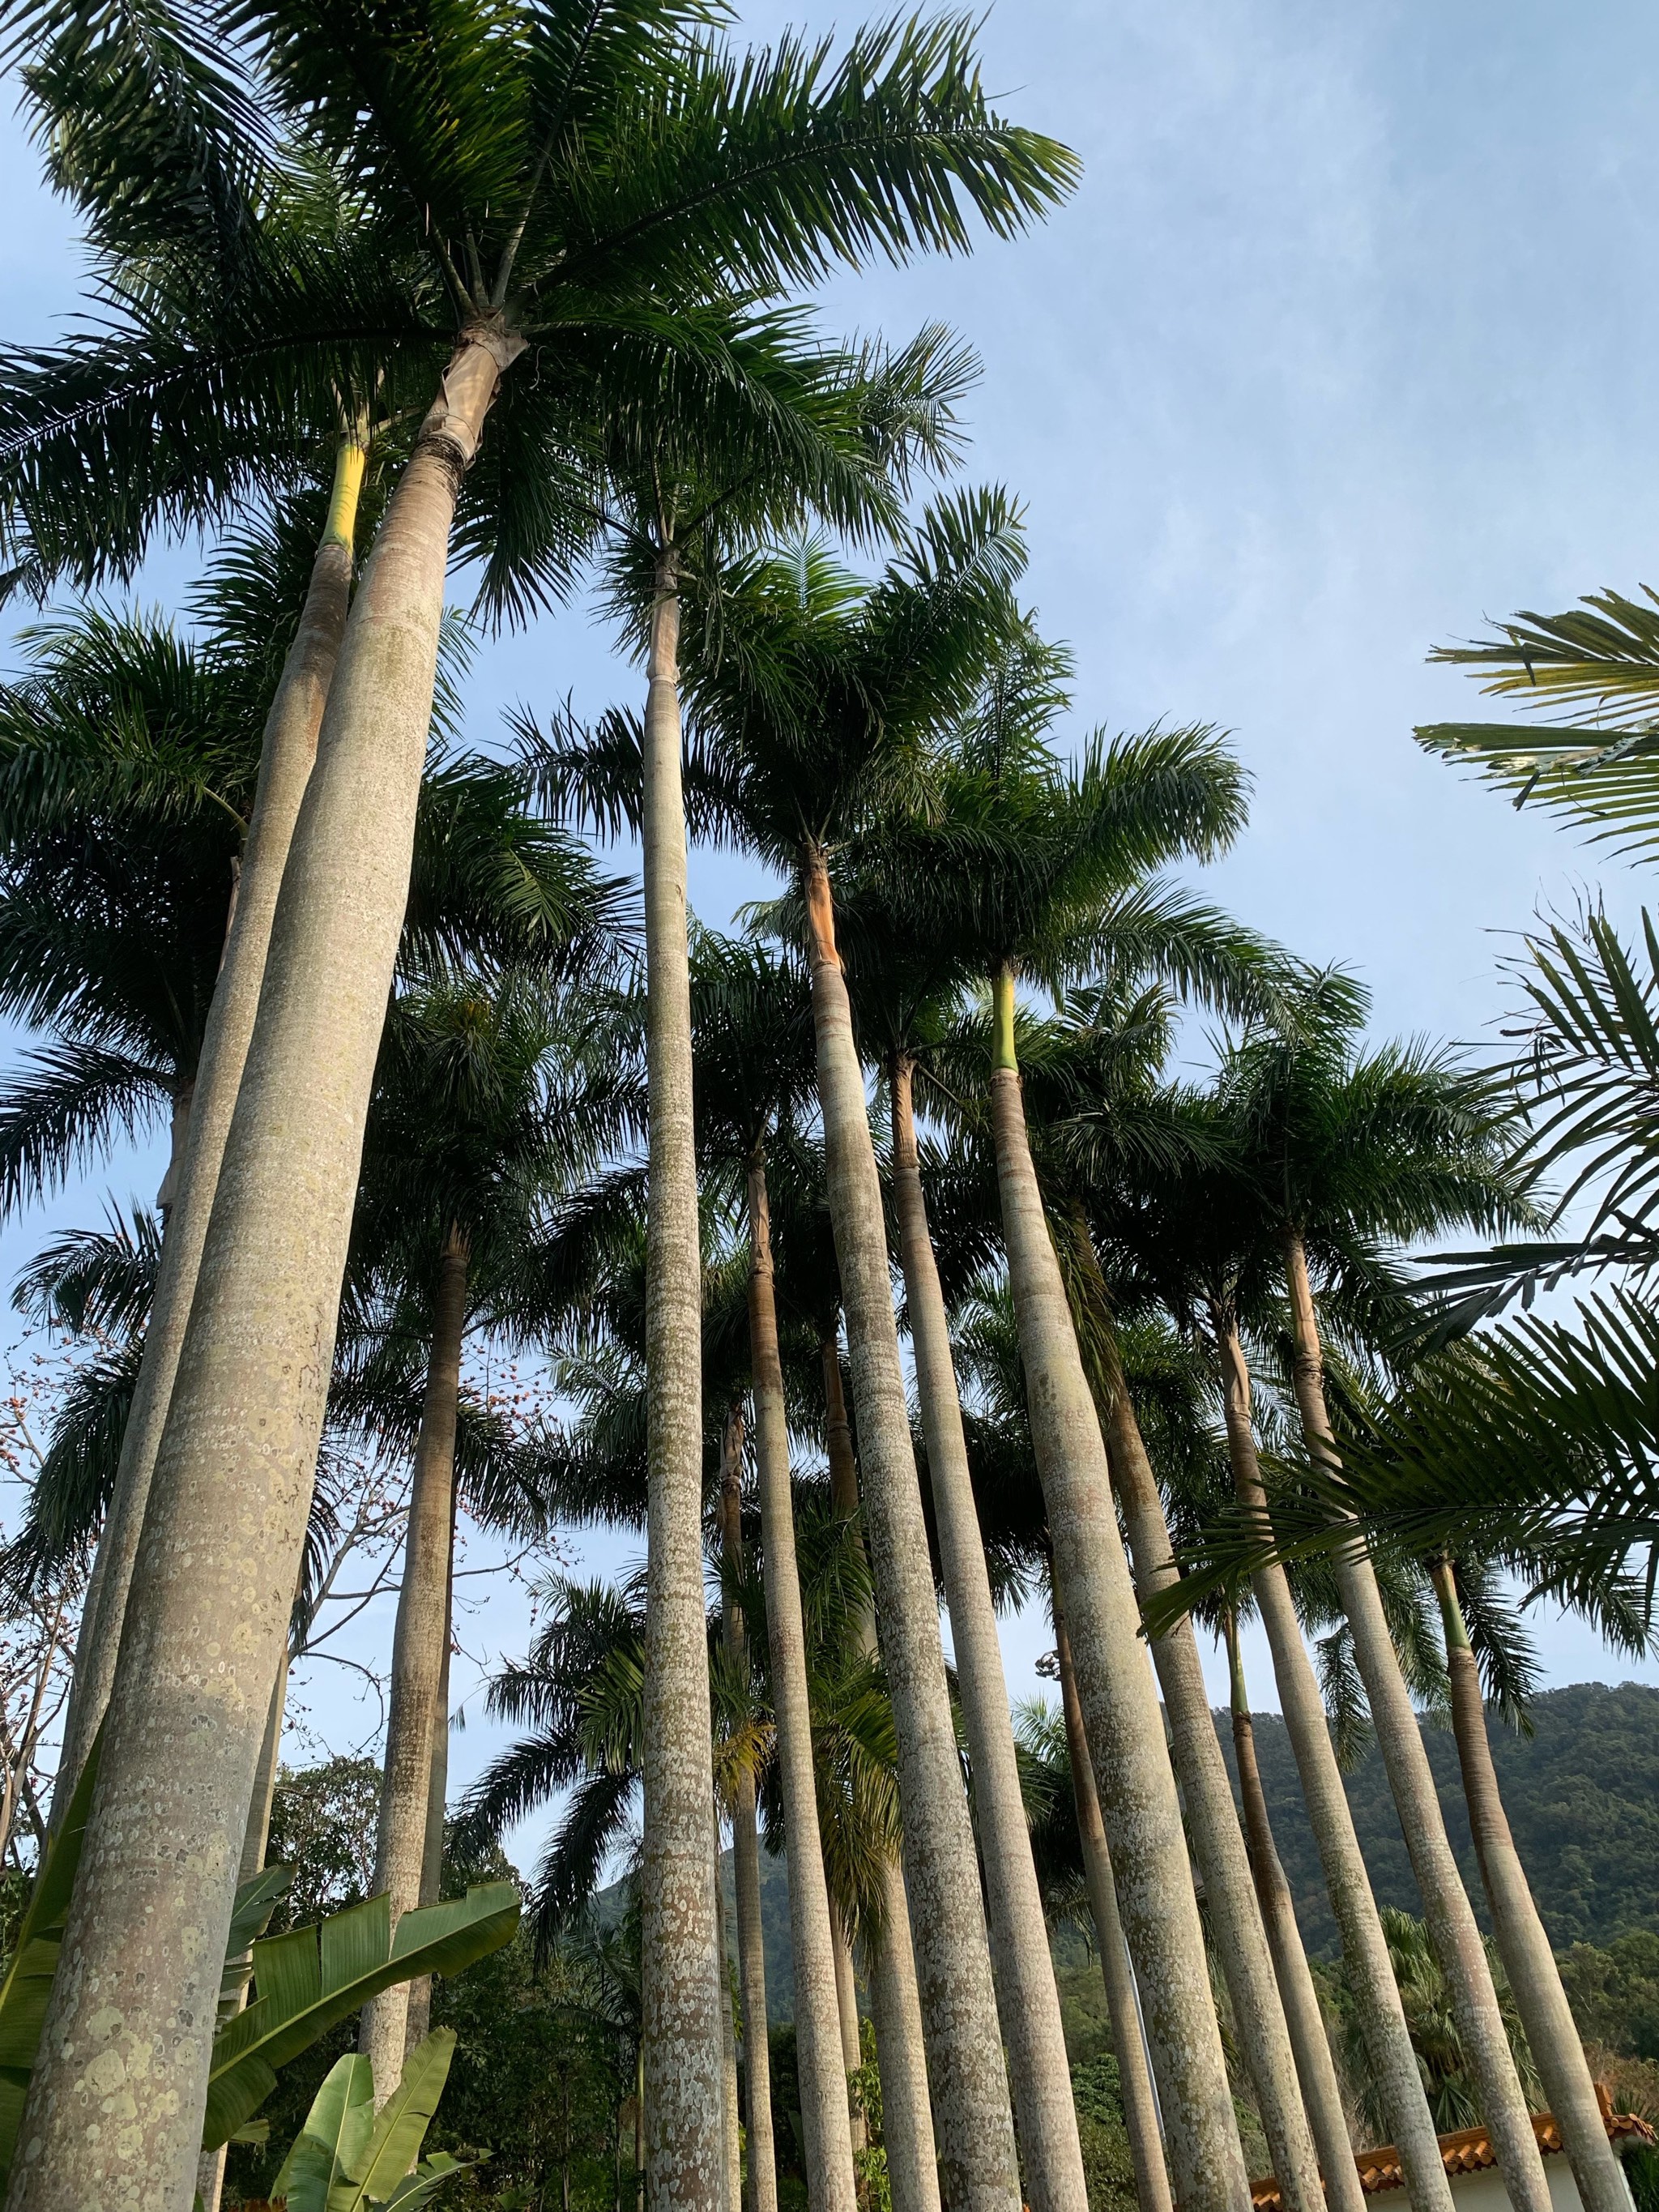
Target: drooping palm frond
94 1280
67 1105
1602 774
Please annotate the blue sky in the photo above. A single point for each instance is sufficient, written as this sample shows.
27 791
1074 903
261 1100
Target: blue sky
1346 342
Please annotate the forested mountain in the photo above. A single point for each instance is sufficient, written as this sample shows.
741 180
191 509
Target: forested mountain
1582 1795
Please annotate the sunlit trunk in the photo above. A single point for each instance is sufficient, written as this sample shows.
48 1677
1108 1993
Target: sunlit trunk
681 1988
1027 2003
213 1576
288 750
972 2116
1452 1923
1142 1815
1218 1842
825 2117
1522 1941
1321 2089
1370 1971
1123 2005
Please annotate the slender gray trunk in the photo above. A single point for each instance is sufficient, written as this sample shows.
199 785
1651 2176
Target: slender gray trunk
1523 1944
437 1802
745 1862
1315 2064
979 2173
1137 1788
825 2117
1446 1907
1365 1952
1027 2002
114 2115
683 2093
907 2115
1218 1842
419 1640
1140 2114
847 2005
288 750
731 2127
895 2000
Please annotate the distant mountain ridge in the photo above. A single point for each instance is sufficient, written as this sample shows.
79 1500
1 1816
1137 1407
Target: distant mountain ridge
1582 1793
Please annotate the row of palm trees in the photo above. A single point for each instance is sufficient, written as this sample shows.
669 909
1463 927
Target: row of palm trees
510 284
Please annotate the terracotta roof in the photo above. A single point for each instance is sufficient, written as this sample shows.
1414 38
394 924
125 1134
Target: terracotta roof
1468 2151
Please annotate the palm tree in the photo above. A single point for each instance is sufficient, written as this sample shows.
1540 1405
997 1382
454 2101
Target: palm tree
1031 867
1437 2036
1071 1776
808 719
745 1841
1105 1051
810 693
492 1100
752 1024
1199 1238
550 180
131 759
1344 1145
902 988
798 432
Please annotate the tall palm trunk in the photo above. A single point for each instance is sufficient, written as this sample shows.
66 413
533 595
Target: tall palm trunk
681 1985
437 1801
288 750
1364 1952
745 1859
1451 1922
1123 2005
731 2127
213 1576
838 1433
847 2008
907 2112
1027 2003
825 2118
1218 1842
907 2115
1522 1941
953 1967
1120 1704
419 1642
1320 2090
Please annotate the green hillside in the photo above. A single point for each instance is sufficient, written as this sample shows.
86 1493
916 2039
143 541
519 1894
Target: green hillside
1582 1795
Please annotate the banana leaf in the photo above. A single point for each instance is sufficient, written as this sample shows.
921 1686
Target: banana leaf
348 2158
307 1980
27 1986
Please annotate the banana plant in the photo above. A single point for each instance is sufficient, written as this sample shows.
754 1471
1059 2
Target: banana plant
348 2158
303 1981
